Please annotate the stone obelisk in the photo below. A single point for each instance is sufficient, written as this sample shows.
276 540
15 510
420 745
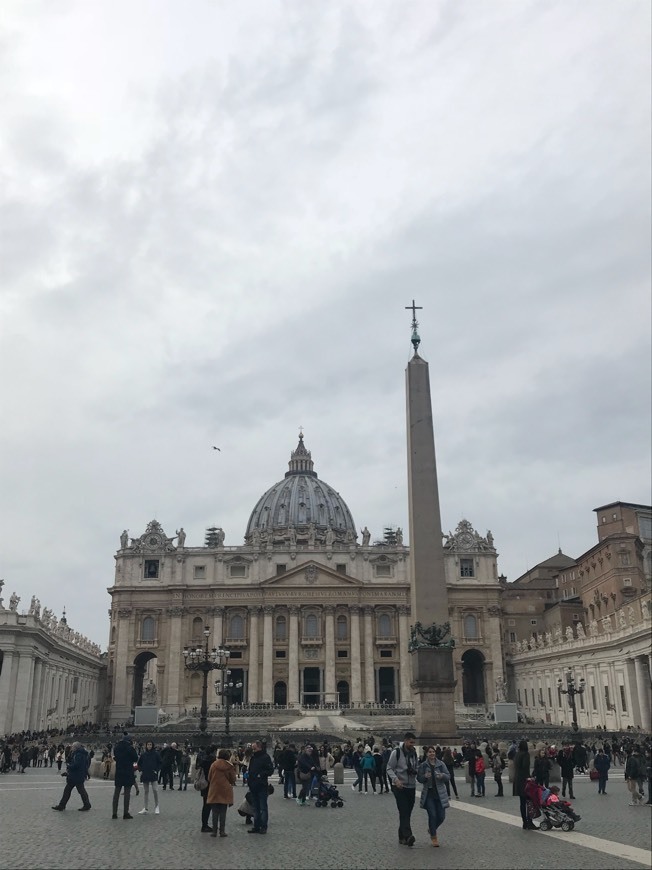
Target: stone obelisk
433 680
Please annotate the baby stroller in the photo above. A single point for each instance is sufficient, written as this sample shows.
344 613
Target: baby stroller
556 814
327 793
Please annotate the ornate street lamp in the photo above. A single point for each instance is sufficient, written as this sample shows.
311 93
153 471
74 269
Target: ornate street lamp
571 690
226 690
205 660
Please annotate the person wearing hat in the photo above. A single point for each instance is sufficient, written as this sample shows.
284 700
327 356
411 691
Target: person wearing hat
125 757
76 775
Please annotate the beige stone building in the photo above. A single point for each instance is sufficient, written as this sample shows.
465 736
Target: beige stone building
313 612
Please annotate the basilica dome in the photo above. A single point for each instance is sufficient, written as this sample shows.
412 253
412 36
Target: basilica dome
301 507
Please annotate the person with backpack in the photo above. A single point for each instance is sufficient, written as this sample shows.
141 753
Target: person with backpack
369 770
402 773
76 775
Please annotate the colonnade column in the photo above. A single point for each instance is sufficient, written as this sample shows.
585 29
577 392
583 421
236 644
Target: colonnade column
252 681
356 674
5 686
293 667
403 638
369 681
120 663
329 687
268 652
36 696
643 689
21 709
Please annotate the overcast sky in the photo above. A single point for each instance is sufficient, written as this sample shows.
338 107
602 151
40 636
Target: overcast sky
213 217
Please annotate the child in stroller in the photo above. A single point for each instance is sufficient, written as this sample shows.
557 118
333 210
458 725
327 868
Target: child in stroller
325 793
556 813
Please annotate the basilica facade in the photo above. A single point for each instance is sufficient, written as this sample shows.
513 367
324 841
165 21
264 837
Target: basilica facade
312 611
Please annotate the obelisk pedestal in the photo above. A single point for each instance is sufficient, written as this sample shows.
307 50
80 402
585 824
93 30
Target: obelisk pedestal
433 677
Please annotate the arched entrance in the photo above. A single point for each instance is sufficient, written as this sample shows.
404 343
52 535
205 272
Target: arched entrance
280 693
142 669
343 692
473 677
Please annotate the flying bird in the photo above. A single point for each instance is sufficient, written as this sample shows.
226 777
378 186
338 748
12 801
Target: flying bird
216 448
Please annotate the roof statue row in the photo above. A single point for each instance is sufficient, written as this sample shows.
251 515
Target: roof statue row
50 623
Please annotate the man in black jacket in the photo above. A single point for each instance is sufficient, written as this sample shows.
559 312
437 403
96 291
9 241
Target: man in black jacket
261 767
287 763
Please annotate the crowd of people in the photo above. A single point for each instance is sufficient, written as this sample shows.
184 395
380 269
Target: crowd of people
380 767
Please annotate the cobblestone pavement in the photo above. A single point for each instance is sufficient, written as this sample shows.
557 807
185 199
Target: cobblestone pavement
479 833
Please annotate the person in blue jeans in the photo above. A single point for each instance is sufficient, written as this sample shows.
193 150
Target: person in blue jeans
357 766
261 767
434 775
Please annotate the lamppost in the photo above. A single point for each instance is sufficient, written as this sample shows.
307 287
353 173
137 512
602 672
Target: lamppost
225 689
205 660
571 690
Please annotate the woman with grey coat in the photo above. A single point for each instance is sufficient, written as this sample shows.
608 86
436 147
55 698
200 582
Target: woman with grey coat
434 775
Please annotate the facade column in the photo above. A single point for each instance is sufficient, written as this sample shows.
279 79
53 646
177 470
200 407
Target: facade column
369 672
268 653
356 669
252 682
403 639
120 662
643 689
329 686
218 622
176 693
293 651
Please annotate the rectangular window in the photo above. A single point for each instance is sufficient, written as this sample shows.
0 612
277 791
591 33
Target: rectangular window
533 622
75 685
549 697
525 693
383 571
200 572
466 568
238 571
151 569
518 694
512 637
340 568
280 653
594 700
342 654
623 701
236 653
385 653
607 698
581 701
280 569
559 703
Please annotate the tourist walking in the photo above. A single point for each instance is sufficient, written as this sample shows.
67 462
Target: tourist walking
479 773
521 775
369 770
602 764
205 761
306 770
402 773
125 758
221 779
434 798
634 774
357 757
566 762
76 775
542 767
149 765
449 760
261 767
287 762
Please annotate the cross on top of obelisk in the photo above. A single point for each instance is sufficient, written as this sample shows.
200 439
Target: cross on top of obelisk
416 341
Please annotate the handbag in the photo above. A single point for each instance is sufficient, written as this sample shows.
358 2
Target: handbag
200 779
305 776
594 774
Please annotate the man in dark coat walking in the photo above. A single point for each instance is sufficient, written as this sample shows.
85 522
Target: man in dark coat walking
261 767
76 775
125 757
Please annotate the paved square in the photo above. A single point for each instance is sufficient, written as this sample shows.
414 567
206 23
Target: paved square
482 833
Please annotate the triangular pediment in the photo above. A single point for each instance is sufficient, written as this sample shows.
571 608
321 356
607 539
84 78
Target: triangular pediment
311 574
